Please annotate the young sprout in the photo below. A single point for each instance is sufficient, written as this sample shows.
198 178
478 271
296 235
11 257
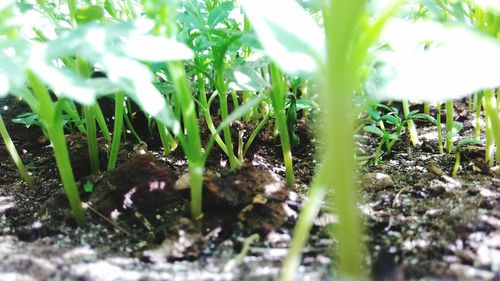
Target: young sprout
278 102
11 148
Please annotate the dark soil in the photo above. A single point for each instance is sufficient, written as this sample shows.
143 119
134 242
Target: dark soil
424 226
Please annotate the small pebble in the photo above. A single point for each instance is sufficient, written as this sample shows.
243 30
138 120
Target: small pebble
443 184
434 168
377 181
495 182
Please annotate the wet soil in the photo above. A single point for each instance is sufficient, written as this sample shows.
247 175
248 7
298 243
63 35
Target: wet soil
426 225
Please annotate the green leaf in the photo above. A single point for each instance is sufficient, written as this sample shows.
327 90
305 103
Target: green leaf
292 39
110 8
373 130
24 7
28 119
391 136
391 119
306 104
423 116
89 14
220 13
388 108
373 114
88 186
457 127
468 141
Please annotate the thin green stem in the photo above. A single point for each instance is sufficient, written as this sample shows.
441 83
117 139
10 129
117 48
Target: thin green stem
131 128
278 102
494 128
246 96
117 131
438 124
70 109
83 69
255 132
101 121
308 213
427 108
234 97
192 147
11 148
477 104
457 164
167 140
449 126
221 90
92 139
53 124
205 108
412 130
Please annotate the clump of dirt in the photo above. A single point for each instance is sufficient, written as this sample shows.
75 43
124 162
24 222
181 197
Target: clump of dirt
258 197
142 184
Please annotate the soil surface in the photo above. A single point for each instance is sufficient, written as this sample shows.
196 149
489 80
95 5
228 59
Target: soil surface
420 223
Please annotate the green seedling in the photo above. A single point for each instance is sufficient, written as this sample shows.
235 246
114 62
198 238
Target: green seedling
393 119
278 102
29 119
88 187
291 40
9 144
33 64
201 28
291 120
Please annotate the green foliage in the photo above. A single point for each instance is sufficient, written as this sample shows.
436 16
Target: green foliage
89 14
389 125
88 186
175 58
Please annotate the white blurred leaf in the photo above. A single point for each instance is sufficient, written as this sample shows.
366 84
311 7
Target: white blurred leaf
135 79
289 35
62 82
458 63
493 5
5 3
155 49
4 85
243 78
103 86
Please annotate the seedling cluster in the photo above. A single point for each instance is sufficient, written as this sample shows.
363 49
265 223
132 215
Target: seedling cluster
334 63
